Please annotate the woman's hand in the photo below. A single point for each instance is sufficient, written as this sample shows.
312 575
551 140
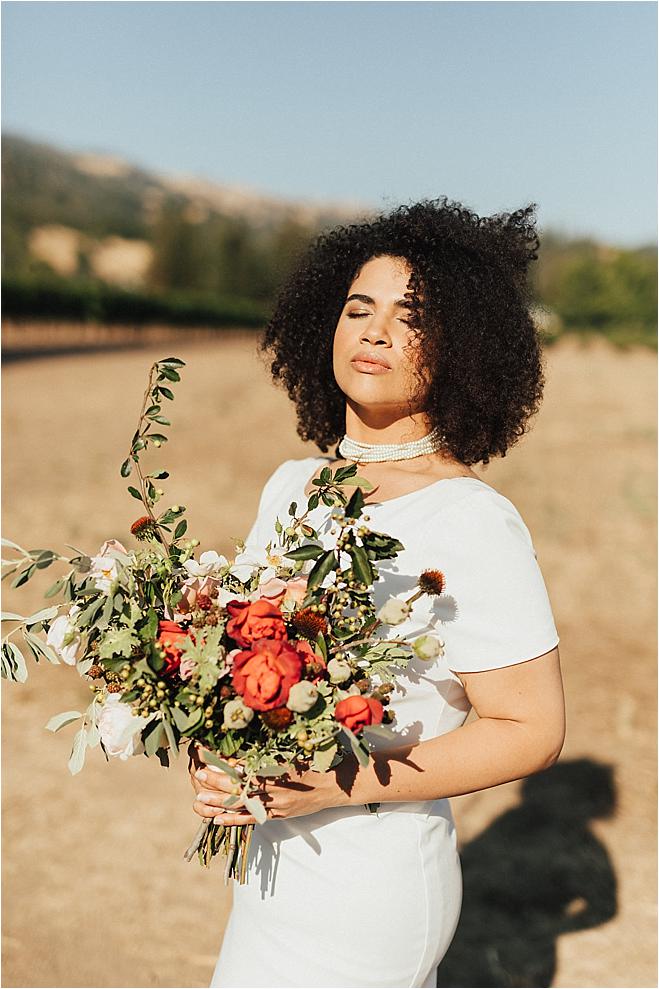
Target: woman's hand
298 793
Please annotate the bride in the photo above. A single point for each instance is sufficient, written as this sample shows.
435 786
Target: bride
408 341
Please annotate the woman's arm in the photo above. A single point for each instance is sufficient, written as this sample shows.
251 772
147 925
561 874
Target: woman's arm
519 731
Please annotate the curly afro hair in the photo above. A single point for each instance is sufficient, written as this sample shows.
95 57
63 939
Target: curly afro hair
470 307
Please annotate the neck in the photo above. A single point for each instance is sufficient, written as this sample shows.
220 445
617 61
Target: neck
385 430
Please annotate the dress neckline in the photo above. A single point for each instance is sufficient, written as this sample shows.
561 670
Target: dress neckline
410 494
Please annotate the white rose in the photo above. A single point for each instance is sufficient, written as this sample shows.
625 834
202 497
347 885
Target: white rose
249 560
209 563
104 567
428 647
61 627
394 611
237 714
338 670
119 728
302 696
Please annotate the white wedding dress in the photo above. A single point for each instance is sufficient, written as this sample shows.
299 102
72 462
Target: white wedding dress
345 897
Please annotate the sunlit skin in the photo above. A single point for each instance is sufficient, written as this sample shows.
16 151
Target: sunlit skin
521 715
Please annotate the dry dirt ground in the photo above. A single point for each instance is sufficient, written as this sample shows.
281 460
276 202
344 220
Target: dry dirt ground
560 873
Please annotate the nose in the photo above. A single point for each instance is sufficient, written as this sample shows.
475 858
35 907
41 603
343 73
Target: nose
376 331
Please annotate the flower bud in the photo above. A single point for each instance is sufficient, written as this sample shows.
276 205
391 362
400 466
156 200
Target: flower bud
237 714
427 647
394 611
302 696
338 670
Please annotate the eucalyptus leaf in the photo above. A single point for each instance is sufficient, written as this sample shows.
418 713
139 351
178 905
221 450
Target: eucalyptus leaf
255 807
358 750
212 760
42 647
60 720
13 663
77 758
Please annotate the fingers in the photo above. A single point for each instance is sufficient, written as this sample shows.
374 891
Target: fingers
215 779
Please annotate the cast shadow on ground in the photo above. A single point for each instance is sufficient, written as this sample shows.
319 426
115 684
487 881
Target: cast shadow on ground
535 873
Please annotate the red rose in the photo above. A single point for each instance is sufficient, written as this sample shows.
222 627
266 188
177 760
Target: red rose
252 620
264 675
170 638
356 711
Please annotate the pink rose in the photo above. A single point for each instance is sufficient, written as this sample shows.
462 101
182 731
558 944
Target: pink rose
273 589
192 588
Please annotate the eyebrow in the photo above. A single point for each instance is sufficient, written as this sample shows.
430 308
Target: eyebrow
403 303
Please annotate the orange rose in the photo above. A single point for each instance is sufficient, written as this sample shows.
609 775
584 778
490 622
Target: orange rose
252 620
356 711
170 638
264 675
315 664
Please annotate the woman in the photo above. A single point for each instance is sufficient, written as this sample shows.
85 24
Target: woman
409 339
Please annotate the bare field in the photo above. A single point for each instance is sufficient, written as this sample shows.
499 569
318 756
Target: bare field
560 875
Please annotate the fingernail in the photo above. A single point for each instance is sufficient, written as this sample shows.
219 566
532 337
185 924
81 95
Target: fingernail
218 820
204 798
200 775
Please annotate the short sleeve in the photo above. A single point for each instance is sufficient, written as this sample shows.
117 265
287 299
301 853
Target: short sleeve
502 614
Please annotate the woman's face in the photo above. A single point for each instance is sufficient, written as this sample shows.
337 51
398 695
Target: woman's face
374 324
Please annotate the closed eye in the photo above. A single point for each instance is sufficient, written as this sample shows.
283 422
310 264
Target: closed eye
359 315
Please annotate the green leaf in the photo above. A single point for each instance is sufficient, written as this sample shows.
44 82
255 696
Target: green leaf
153 737
170 733
343 472
13 663
174 361
107 613
159 475
322 645
359 482
355 504
187 721
361 565
147 631
55 588
126 468
135 493
162 420
324 565
323 757
313 502
77 758
24 576
360 753
308 552
158 436
118 642
170 374
180 529
60 720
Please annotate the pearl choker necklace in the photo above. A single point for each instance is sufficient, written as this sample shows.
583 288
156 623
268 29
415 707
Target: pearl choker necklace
379 452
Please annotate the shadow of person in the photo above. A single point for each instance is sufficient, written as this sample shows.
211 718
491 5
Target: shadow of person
535 873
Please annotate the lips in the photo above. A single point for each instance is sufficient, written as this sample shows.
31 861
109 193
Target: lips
364 360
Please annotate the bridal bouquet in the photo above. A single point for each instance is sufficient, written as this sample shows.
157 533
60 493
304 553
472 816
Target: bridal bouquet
268 660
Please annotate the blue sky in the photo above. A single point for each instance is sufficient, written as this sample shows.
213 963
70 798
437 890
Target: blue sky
495 104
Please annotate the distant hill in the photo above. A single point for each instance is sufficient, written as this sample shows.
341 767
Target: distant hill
103 216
